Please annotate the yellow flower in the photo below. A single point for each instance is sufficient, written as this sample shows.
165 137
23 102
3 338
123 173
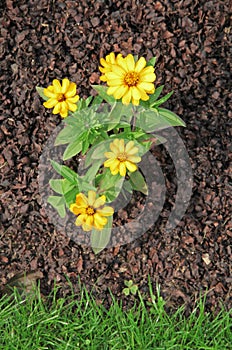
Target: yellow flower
62 97
122 157
90 211
130 80
107 64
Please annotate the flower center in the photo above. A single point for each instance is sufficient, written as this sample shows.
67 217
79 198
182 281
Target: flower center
131 79
122 157
90 211
60 97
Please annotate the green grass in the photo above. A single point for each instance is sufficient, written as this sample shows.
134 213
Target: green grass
36 324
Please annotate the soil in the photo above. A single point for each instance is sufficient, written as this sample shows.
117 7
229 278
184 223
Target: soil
45 39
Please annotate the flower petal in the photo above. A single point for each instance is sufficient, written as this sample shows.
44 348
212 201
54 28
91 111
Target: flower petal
115 82
121 145
76 210
73 99
91 197
114 146
50 103
131 166
144 96
99 202
81 200
71 106
122 169
117 70
134 159
71 90
147 70
130 62
146 86
103 78
140 64
114 171
89 220
130 146
47 92
111 90
120 92
135 93
127 97
56 109
65 85
114 166
135 102
80 219
132 151
111 162
64 109
148 78
57 86
109 155
106 211
99 221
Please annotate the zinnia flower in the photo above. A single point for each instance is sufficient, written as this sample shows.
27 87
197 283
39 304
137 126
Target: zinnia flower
62 97
107 64
122 157
90 211
130 80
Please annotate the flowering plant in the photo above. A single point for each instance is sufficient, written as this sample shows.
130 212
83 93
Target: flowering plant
112 131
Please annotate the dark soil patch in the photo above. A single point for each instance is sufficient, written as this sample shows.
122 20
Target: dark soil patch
41 40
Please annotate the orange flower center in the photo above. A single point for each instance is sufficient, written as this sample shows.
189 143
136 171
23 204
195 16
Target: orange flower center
122 157
131 79
60 97
90 211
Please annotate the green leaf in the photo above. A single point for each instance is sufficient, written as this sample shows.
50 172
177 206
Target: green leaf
72 149
171 117
59 204
61 186
136 57
92 171
86 186
40 91
127 187
85 145
56 185
152 62
134 289
97 152
88 100
138 182
108 181
126 291
128 283
155 96
66 172
97 100
100 239
81 104
162 100
102 92
113 192
118 111
70 196
68 134
152 120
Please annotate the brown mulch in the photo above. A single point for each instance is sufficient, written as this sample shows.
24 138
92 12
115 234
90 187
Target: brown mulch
43 39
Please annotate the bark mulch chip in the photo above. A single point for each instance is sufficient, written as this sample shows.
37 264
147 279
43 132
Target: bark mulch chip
42 40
